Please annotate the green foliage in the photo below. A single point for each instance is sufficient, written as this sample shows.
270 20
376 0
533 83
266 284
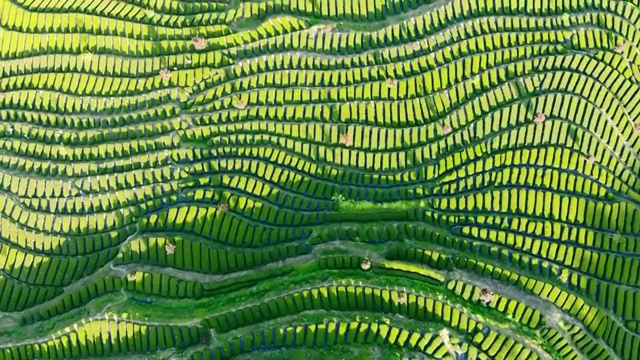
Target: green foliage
308 192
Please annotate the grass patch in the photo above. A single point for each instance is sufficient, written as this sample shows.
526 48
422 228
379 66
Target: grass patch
353 205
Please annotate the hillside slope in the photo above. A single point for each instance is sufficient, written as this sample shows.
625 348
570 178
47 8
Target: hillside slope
280 179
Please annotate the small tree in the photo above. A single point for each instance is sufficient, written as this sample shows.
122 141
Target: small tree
165 74
170 249
486 297
238 103
620 48
539 118
365 265
346 139
199 43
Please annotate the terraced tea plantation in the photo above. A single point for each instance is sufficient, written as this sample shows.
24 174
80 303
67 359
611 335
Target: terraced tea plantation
320 179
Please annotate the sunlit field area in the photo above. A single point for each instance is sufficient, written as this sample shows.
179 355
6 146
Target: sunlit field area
320 179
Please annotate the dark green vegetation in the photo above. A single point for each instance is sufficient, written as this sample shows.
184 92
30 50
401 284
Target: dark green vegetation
329 179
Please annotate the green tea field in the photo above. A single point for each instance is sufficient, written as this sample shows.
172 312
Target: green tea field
320 179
